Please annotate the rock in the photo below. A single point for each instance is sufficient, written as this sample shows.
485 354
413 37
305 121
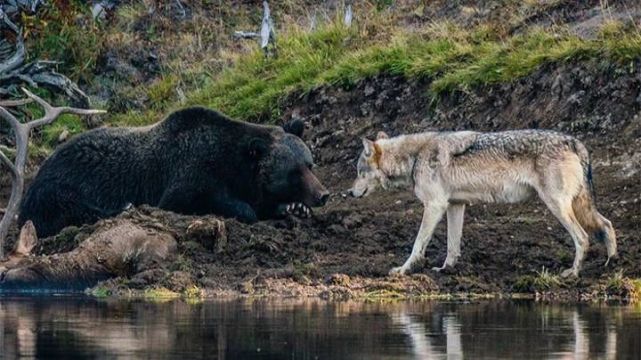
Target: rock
369 90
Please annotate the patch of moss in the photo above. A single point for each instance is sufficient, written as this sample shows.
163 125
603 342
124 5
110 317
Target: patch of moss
160 294
100 292
192 293
72 124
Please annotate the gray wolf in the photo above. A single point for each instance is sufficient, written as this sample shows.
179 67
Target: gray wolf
448 170
196 161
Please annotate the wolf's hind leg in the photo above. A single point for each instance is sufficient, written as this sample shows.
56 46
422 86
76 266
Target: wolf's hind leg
609 237
593 222
455 215
561 207
432 214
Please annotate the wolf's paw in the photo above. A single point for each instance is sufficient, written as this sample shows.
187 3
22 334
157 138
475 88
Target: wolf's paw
299 210
448 265
400 270
439 269
571 272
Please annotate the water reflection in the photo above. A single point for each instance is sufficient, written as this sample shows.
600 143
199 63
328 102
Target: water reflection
296 329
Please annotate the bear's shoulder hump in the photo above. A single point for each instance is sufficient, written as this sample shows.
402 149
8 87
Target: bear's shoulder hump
194 117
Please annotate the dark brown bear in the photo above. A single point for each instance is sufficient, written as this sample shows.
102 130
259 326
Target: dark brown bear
196 161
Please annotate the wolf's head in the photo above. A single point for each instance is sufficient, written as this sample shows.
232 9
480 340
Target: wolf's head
368 168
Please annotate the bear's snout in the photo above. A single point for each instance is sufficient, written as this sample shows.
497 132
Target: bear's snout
315 192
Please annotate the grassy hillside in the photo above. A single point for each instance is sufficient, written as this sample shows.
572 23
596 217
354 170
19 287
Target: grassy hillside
144 60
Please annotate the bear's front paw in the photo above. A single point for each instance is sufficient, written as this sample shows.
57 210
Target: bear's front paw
299 210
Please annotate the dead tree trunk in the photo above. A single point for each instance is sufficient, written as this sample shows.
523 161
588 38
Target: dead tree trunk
17 167
267 34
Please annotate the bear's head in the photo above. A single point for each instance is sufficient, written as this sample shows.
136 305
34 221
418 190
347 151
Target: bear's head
285 170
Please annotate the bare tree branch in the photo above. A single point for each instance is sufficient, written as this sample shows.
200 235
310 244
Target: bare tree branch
5 160
246 34
17 167
18 57
51 113
9 117
13 103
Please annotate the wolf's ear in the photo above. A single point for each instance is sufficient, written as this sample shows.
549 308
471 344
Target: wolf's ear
295 127
368 147
27 240
381 135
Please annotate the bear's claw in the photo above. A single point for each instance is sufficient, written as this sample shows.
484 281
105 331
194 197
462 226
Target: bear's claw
299 210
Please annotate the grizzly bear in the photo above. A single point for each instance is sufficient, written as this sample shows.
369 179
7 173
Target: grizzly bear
196 161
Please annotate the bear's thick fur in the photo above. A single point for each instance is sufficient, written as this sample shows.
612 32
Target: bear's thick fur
196 161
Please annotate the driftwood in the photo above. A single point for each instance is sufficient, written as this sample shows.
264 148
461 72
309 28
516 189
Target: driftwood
17 168
14 6
14 72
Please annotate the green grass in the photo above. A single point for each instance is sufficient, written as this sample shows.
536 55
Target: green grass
452 58
66 33
71 123
254 86
620 285
542 281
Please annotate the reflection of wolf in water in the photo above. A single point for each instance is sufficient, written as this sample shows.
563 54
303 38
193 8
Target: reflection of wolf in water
450 169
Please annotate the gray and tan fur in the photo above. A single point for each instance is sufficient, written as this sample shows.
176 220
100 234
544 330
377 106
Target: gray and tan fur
448 170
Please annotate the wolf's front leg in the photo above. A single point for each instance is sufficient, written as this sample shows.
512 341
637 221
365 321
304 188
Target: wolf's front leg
455 214
432 214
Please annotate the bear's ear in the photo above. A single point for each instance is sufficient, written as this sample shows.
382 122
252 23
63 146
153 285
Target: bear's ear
295 127
257 147
381 135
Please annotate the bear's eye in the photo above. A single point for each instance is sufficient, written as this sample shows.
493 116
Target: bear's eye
310 166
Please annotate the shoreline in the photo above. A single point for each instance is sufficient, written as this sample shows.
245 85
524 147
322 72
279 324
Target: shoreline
341 287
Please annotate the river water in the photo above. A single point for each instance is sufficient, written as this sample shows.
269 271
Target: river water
81 328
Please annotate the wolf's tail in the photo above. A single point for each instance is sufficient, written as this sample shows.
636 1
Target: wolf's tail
584 205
